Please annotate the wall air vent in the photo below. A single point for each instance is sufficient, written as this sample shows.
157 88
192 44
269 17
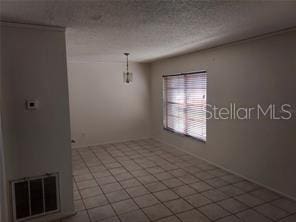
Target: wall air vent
35 196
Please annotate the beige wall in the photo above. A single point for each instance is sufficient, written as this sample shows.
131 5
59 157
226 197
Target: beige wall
258 71
105 109
33 66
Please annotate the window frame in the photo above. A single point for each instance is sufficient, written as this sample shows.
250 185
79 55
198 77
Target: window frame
170 130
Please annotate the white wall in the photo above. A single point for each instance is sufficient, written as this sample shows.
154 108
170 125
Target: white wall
33 66
258 71
105 109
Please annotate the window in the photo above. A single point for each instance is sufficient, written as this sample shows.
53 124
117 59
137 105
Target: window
184 104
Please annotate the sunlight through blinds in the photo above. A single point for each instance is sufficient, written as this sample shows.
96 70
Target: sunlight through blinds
184 104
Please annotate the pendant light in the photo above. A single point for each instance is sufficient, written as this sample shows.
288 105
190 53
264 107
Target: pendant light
127 76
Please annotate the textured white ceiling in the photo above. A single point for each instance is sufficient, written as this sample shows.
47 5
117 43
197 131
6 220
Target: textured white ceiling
103 30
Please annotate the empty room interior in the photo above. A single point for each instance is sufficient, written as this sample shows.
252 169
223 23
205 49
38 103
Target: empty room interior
147 111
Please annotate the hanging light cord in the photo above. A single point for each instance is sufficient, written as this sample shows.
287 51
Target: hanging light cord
127 63
127 54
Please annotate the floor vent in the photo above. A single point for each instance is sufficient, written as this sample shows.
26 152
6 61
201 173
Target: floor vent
35 196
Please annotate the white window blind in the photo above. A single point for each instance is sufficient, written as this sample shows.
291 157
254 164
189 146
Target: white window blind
184 104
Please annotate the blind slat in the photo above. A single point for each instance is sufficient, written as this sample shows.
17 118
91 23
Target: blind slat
184 104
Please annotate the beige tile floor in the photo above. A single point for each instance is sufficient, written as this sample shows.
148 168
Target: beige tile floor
144 180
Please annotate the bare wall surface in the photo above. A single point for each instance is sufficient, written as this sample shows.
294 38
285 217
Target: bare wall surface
105 109
36 141
255 72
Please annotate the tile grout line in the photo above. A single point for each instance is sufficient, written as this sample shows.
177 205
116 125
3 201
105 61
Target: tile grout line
79 189
142 208
102 193
149 157
117 190
174 187
163 202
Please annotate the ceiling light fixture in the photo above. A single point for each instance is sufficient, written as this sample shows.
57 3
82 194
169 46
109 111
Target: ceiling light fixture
127 76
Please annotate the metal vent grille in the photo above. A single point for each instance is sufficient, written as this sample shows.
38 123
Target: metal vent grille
35 196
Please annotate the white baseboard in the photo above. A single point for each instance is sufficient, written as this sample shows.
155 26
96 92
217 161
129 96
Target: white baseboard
228 170
54 217
113 141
